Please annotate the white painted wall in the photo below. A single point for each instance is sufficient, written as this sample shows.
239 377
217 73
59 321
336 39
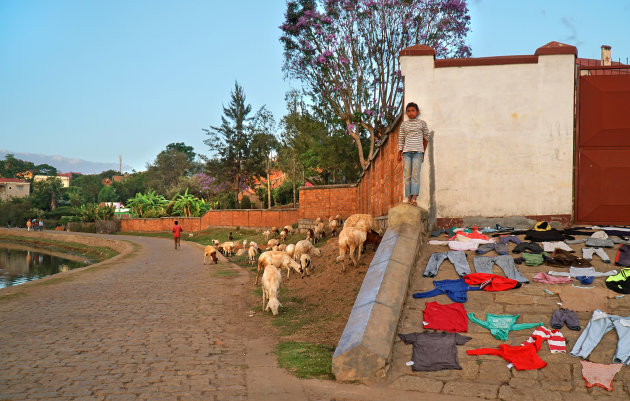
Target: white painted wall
503 143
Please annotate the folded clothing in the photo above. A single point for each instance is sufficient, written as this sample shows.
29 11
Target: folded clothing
562 258
583 271
532 247
552 246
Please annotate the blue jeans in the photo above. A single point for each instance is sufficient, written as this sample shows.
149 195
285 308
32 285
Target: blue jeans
412 161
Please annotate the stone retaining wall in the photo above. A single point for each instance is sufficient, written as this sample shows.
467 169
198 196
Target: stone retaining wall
365 347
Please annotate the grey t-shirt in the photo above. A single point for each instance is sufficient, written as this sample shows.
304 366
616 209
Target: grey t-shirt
434 351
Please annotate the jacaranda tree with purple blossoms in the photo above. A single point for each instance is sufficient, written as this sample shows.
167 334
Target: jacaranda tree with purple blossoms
346 53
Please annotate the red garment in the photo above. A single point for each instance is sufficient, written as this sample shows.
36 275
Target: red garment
470 236
177 230
450 317
524 357
494 282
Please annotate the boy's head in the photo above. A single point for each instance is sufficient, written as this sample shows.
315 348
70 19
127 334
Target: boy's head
176 222
412 110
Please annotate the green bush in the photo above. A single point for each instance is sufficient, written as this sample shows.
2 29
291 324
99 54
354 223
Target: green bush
246 203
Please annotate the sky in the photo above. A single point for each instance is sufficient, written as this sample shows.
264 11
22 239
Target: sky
93 80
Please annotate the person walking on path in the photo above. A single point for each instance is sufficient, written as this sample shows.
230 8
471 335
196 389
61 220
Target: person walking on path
28 225
41 225
177 229
412 141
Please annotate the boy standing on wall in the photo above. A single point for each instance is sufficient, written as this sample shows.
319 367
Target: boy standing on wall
177 229
412 140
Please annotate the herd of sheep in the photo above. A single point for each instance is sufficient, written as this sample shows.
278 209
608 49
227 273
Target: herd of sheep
358 230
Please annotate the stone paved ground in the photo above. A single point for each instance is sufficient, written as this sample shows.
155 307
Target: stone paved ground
487 376
157 325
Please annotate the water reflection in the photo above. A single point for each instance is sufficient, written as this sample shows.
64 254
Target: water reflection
21 264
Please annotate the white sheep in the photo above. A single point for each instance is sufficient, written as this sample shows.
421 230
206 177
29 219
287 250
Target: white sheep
333 223
319 232
283 235
251 253
305 247
215 242
267 234
271 281
289 229
290 249
363 221
351 241
271 243
278 259
244 243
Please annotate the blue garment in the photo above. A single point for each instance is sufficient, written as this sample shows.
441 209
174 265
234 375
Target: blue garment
455 289
412 161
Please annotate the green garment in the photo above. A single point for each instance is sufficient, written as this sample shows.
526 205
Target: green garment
534 259
501 325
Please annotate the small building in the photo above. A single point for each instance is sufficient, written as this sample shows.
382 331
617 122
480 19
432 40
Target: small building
65 180
14 188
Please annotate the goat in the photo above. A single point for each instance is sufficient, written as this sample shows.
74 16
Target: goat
289 229
278 259
244 243
305 262
230 237
271 281
363 221
290 249
215 242
305 247
272 242
310 234
267 234
274 230
351 241
372 237
212 253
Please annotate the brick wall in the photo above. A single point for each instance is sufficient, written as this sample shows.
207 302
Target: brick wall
379 188
328 200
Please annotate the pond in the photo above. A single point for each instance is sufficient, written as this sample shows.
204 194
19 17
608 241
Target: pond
19 264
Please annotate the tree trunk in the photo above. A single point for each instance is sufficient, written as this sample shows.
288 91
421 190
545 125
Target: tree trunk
53 201
268 184
357 141
293 178
237 190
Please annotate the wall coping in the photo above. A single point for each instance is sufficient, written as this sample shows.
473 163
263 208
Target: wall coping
331 186
551 48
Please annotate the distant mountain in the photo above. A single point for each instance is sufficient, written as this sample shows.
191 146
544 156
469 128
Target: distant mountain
66 164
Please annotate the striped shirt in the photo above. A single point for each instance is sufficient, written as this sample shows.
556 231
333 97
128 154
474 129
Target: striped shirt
411 134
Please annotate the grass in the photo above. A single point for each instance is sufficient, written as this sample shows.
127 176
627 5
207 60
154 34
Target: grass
13 295
305 360
93 253
225 273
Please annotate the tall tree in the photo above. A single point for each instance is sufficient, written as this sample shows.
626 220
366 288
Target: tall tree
181 147
346 53
241 142
169 167
45 193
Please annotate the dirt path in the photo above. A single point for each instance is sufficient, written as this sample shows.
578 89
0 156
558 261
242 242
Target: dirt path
155 325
